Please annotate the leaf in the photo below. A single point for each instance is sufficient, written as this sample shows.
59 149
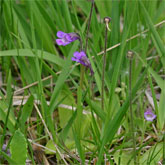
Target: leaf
84 5
161 110
96 108
113 125
125 156
3 115
7 113
62 78
153 155
7 157
64 133
79 147
157 78
158 42
50 146
18 148
9 88
28 53
26 112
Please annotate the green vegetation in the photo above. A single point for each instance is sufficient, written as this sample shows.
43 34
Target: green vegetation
54 110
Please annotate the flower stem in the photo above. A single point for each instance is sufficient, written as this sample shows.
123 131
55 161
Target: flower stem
88 27
81 44
86 45
106 21
82 76
130 56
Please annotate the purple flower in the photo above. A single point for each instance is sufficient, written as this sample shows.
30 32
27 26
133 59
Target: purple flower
4 149
81 58
66 38
149 115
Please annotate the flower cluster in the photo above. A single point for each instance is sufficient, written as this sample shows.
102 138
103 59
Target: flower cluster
149 115
80 57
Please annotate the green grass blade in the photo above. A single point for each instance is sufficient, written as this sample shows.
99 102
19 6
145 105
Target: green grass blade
28 53
8 158
114 124
61 79
79 147
64 133
159 43
161 110
26 112
157 78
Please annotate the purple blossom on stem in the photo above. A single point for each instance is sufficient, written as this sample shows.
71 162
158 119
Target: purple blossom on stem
81 58
149 115
66 38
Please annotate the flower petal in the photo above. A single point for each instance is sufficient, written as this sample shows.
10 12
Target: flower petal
62 42
82 59
85 61
77 55
61 34
59 42
68 37
75 59
149 115
83 53
72 36
66 43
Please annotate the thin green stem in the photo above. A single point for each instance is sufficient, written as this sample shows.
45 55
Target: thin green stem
130 56
103 71
82 76
106 21
88 27
86 45
81 44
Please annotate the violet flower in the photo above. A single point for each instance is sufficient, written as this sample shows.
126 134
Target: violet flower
81 58
66 38
149 115
4 149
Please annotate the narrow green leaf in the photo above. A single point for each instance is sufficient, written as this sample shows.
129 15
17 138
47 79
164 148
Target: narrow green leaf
96 108
9 87
64 133
114 124
79 147
156 151
26 112
120 57
3 114
159 43
66 15
28 53
61 79
8 158
161 110
157 78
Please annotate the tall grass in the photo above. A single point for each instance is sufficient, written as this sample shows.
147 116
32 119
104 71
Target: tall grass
43 107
